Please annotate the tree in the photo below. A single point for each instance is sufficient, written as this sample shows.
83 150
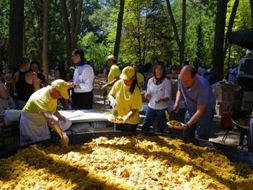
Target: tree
218 55
45 39
15 51
146 33
180 43
230 25
72 26
251 8
119 28
95 52
4 22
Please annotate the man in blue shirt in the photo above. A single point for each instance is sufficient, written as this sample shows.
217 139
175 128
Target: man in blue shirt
200 103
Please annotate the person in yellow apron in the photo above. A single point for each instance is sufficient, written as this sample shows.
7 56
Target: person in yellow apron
40 112
113 74
126 100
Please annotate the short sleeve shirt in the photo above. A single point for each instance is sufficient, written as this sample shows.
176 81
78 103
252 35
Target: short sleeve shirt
127 101
200 94
113 73
40 101
140 78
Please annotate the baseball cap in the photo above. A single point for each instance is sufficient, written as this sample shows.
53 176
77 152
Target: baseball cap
127 73
111 57
62 87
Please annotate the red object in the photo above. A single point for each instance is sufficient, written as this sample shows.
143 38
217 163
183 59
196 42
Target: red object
226 121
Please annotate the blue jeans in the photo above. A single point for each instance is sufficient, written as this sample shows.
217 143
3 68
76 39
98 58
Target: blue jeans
151 115
250 136
202 129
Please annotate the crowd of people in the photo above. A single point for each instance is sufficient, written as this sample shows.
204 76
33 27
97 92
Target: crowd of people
126 90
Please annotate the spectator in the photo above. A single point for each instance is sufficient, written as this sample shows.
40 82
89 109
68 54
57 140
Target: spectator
201 70
209 74
60 71
4 98
25 82
232 72
200 103
158 93
41 77
126 100
82 97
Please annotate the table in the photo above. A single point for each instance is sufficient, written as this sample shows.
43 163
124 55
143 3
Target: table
82 116
89 120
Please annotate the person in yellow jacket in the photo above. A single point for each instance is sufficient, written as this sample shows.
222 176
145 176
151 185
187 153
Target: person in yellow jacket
41 111
126 100
113 74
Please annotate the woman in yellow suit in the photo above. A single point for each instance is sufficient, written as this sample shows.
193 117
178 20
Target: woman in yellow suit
126 100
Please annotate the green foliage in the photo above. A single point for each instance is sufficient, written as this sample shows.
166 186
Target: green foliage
94 52
145 31
33 28
203 16
4 18
242 20
143 37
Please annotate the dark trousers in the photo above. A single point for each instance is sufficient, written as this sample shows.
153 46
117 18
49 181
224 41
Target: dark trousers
203 128
82 100
151 116
125 127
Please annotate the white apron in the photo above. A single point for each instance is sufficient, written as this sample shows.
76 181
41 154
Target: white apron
33 128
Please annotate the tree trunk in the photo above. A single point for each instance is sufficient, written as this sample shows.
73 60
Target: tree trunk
230 25
72 28
218 56
119 28
45 39
174 26
182 47
16 32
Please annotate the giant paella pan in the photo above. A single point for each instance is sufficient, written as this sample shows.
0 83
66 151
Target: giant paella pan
117 160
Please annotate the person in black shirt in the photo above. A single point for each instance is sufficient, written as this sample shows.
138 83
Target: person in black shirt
25 82
41 77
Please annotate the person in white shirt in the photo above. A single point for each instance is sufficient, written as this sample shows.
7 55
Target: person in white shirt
82 97
158 93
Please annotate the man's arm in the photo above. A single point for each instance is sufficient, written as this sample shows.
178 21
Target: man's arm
197 115
178 98
53 123
109 83
59 116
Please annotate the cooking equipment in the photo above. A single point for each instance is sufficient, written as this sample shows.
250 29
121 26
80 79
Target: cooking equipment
242 123
232 153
